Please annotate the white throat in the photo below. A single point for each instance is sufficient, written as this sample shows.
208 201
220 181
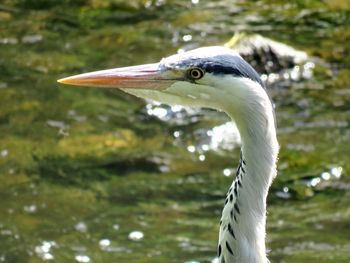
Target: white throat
242 226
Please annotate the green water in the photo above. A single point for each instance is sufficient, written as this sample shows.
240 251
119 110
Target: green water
82 169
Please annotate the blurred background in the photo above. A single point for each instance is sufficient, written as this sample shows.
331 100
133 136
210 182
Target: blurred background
100 176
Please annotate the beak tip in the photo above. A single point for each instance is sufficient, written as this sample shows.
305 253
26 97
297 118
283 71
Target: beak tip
60 81
64 81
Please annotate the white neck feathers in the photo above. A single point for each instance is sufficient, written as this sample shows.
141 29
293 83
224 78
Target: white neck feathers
242 228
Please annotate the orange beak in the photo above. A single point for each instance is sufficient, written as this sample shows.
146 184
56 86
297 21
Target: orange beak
149 76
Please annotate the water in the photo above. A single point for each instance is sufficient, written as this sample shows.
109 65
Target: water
100 176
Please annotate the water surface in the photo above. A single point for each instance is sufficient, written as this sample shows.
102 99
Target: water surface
100 176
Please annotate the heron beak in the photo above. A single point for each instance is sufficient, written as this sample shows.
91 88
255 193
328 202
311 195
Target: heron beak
149 76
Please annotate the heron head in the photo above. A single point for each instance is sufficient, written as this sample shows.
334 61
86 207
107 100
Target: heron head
193 78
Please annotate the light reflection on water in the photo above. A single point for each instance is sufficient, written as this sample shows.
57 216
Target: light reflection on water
333 174
223 137
104 244
136 235
326 179
82 258
297 73
81 227
44 250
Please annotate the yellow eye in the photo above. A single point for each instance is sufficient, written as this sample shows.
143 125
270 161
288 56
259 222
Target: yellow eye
195 73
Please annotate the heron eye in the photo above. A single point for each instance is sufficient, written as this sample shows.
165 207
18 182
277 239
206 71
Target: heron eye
195 73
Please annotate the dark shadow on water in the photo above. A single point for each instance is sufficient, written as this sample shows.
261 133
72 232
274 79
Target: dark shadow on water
83 171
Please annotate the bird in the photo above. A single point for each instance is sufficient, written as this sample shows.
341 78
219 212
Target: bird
219 78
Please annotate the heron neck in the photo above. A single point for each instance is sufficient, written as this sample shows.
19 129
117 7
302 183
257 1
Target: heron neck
242 230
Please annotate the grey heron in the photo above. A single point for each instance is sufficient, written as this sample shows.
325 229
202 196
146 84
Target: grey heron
217 78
